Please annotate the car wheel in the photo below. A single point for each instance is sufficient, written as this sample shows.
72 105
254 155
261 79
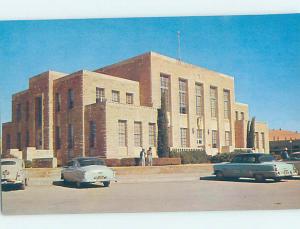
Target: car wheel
22 187
259 178
106 183
277 179
219 175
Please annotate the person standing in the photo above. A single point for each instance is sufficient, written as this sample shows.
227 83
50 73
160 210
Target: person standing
142 157
149 156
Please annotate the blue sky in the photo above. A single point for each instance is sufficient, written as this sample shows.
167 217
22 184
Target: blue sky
261 52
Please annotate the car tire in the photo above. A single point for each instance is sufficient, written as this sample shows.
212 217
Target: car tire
22 187
277 179
219 175
259 178
106 183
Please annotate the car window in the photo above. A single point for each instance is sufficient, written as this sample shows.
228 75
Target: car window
8 162
70 163
266 158
86 162
237 159
249 159
295 156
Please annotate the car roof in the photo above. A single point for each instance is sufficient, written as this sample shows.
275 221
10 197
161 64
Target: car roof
250 154
296 153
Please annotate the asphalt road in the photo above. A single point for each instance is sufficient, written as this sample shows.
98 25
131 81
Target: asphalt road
189 195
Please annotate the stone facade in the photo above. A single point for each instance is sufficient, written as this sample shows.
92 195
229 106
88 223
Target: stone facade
112 112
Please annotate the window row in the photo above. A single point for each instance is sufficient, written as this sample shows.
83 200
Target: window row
115 96
22 109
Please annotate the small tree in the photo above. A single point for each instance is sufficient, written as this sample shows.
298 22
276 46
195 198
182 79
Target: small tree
162 125
251 133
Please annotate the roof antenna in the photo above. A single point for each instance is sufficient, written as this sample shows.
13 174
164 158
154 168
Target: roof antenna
178 48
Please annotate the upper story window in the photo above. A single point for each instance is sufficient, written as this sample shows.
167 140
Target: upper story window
116 96
182 96
137 134
242 116
70 98
213 102
122 125
199 99
129 98
92 134
19 112
57 102
226 104
27 111
236 115
164 89
39 111
100 94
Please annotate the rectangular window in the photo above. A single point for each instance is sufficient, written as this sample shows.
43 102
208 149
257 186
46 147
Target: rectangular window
70 136
100 94
182 96
263 140
92 137
137 134
27 138
227 138
213 102
164 89
242 116
129 98
236 115
226 104
27 111
256 140
183 137
152 134
116 96
199 99
57 102
122 133
39 111
199 137
214 135
8 141
70 98
57 137
19 141
19 112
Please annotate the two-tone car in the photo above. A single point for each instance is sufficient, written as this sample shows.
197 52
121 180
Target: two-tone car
13 172
83 170
259 166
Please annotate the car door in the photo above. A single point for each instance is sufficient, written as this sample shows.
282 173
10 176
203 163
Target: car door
248 167
232 169
69 171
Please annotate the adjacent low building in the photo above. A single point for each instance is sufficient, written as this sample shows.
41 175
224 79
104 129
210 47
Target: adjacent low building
112 111
281 140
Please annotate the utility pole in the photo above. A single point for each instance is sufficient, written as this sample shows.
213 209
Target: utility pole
178 48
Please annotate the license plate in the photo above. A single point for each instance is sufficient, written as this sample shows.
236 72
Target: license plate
100 177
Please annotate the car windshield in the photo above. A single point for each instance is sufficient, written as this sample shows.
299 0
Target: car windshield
90 161
266 158
8 162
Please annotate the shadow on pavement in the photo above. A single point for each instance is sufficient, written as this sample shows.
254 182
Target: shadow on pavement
9 188
73 185
240 180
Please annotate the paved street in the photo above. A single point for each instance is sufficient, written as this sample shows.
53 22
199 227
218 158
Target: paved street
154 195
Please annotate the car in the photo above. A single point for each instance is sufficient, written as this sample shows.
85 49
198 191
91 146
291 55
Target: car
294 159
83 170
295 156
13 172
260 166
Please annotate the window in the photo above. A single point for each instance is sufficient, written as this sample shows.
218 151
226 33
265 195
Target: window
129 98
122 133
214 139
92 135
19 112
213 102
70 136
19 141
256 140
152 134
242 116
137 134
27 111
226 104
237 159
183 137
263 140
57 137
70 98
100 94
27 138
57 102
8 141
39 111
227 138
116 96
199 136
199 99
182 97
236 115
164 89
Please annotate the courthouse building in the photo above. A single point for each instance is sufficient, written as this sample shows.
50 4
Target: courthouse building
112 112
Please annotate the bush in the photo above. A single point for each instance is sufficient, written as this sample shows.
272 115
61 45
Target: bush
113 162
190 156
28 164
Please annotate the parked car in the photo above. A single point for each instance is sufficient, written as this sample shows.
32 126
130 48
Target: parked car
295 156
13 172
87 170
294 159
254 165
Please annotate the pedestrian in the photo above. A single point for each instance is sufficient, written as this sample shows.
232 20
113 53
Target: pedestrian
142 157
149 156
285 155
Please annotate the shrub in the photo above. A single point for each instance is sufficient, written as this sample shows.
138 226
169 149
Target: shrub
190 156
113 162
28 164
